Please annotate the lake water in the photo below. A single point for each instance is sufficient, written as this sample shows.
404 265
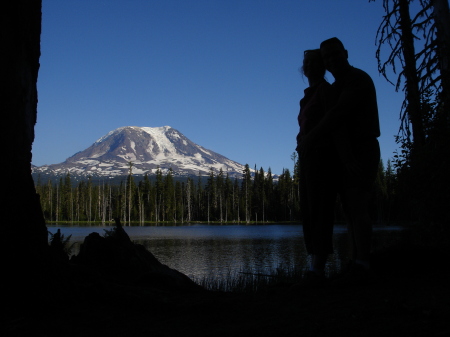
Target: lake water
214 251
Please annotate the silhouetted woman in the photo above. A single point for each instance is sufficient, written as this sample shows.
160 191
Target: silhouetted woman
317 169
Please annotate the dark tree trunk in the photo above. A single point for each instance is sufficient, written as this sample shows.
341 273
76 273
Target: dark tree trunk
412 82
23 230
442 18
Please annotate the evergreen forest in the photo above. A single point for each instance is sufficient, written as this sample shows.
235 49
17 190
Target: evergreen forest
255 197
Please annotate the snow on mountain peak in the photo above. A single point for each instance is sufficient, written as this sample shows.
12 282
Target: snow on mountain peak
147 148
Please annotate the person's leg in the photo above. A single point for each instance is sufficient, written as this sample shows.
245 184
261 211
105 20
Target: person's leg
356 194
312 231
323 199
347 214
305 211
318 262
314 276
360 227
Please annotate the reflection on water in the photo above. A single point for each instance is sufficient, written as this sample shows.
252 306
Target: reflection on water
216 250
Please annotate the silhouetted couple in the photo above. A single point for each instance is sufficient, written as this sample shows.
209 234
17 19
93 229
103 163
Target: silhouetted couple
339 154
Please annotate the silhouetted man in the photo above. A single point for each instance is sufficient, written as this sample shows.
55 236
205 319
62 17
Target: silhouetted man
356 112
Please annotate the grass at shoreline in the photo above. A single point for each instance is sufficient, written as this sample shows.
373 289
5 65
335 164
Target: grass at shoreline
250 281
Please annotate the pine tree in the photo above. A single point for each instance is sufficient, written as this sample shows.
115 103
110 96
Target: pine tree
210 190
189 190
220 193
391 182
269 193
169 194
179 201
67 199
246 192
200 201
159 191
285 193
89 187
146 190
262 193
228 197
236 200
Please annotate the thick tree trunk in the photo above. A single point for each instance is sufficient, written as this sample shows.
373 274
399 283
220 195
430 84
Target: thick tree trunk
24 234
442 18
412 82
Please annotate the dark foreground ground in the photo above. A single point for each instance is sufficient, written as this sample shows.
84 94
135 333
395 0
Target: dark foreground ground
409 298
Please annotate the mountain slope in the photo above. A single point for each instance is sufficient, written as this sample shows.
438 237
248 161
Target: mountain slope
147 149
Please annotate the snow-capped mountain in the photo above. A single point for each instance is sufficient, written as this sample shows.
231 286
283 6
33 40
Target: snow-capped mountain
147 149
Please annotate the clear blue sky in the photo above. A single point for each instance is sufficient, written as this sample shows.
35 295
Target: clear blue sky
224 73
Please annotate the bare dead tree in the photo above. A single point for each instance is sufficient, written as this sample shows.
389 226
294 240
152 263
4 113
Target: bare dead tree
418 57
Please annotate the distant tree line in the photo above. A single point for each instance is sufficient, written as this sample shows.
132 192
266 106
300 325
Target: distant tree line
254 197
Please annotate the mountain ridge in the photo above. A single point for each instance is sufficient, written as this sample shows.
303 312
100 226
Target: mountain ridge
147 148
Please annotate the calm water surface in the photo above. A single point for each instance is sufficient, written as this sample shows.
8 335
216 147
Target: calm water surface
216 250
